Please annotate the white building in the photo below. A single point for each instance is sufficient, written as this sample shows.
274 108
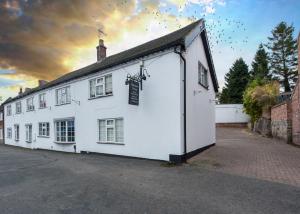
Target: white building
88 110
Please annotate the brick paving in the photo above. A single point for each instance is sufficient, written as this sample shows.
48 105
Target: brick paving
240 152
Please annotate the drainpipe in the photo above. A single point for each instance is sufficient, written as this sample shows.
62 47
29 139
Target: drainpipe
184 100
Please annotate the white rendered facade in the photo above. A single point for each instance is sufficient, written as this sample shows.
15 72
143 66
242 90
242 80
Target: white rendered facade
108 124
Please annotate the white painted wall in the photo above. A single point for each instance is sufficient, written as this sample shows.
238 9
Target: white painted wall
200 101
231 113
1 134
151 130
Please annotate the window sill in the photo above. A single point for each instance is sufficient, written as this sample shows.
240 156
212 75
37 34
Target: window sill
66 143
28 141
43 136
93 98
111 143
62 104
206 87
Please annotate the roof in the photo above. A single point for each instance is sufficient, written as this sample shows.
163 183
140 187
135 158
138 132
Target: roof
176 38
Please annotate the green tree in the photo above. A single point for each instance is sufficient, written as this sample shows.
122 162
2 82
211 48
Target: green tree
260 65
236 81
283 55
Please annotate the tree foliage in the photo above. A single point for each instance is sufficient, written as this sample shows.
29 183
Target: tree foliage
260 65
283 55
236 81
260 96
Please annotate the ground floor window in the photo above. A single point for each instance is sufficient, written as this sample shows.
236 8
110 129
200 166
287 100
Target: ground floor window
17 132
44 129
111 131
28 133
65 131
9 133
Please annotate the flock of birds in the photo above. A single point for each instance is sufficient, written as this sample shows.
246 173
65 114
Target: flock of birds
220 31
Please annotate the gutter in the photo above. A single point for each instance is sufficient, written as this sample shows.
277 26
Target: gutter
184 101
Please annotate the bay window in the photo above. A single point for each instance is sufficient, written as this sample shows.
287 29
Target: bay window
65 131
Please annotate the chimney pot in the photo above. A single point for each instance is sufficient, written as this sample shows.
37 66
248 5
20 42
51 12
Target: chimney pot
42 82
101 51
20 91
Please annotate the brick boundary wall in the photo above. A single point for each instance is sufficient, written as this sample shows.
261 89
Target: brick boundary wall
281 121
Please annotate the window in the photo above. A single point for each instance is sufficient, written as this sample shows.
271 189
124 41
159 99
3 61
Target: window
28 133
18 107
101 86
111 131
9 133
202 75
8 110
30 106
44 129
17 132
42 100
63 96
65 131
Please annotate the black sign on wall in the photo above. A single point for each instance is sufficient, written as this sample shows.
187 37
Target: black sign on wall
134 91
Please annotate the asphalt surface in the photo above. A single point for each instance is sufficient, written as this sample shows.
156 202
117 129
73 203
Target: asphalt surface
52 182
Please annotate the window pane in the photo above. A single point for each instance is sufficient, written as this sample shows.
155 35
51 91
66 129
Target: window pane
110 135
119 130
92 88
102 130
108 84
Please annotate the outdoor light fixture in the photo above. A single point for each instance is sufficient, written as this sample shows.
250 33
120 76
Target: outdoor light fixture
139 77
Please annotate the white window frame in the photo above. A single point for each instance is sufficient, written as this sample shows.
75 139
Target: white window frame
63 95
44 129
9 133
8 110
202 75
30 104
42 100
66 135
18 107
17 132
100 82
110 126
28 128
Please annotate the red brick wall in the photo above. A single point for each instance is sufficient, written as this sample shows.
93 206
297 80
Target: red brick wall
281 116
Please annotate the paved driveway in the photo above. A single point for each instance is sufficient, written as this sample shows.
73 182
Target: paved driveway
242 153
50 182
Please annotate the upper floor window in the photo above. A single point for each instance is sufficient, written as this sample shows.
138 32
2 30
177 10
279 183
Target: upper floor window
18 107
8 110
111 131
42 101
101 86
63 96
65 131
30 105
17 132
202 75
44 129
9 133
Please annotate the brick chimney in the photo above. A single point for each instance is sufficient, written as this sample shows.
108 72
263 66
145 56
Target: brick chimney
101 51
42 82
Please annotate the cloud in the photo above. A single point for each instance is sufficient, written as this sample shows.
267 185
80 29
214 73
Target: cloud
208 6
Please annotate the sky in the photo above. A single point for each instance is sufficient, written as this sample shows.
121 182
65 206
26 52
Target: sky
44 39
